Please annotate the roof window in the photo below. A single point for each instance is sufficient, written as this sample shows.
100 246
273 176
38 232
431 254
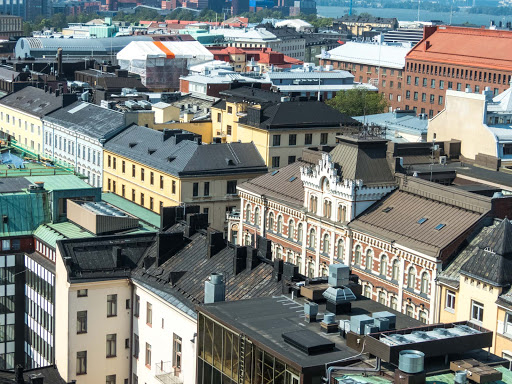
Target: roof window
131 145
439 227
292 178
274 173
422 220
387 209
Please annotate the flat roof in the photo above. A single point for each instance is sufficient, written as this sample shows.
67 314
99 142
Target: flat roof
60 182
134 209
265 319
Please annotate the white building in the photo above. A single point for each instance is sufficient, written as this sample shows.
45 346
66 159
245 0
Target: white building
75 135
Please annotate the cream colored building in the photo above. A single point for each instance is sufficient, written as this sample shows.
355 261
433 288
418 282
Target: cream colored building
476 285
168 168
21 115
278 127
481 123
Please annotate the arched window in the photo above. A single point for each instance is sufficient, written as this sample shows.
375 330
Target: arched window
367 291
312 238
411 278
424 283
247 238
341 249
325 245
299 233
291 229
369 259
271 221
384 265
290 258
423 317
279 253
382 297
342 213
313 204
248 213
357 256
409 311
299 263
394 273
327 208
280 224
324 270
311 269
394 303
257 216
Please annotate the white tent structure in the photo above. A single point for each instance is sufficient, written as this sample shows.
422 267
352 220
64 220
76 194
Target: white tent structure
161 63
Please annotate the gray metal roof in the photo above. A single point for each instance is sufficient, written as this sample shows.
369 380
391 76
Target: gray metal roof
102 44
33 101
89 119
185 157
310 75
399 121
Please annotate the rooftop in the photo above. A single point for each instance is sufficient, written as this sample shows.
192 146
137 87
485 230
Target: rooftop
179 155
88 119
133 209
33 101
388 56
400 121
473 47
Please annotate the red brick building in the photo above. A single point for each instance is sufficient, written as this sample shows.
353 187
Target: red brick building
456 58
345 206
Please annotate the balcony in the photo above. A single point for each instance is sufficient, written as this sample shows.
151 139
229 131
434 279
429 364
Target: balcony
233 215
167 374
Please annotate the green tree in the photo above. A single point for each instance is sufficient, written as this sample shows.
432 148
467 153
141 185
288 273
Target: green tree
358 101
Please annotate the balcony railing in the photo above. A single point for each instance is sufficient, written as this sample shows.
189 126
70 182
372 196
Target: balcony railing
167 374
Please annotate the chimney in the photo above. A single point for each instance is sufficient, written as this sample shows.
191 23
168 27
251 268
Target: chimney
59 62
167 133
427 45
239 260
18 374
195 221
278 270
252 259
215 242
116 256
264 247
57 92
68 99
167 245
310 311
46 88
290 271
214 289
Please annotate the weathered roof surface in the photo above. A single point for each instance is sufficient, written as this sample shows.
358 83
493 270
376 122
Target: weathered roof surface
88 119
397 217
185 157
388 56
60 182
451 273
125 205
466 46
363 160
251 94
300 114
33 101
51 375
491 260
401 121
49 233
13 184
278 185
25 212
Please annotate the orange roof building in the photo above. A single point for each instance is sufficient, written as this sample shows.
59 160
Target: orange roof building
456 58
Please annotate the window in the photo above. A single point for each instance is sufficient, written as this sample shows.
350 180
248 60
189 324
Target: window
176 355
411 278
135 345
133 195
395 270
229 130
327 209
382 297
230 110
109 161
206 188
142 199
149 314
173 188
367 292
219 118
312 238
231 189
394 303
148 355
407 95
357 255
123 190
151 203
81 293
111 345
423 316
81 363
292 139
142 174
459 86
291 159
432 83
450 300
440 100
111 305
409 310
111 379
415 96
275 161
508 323
369 259
441 84
81 322
416 81
408 79
424 283
384 83
276 140
256 216
280 224
324 138
424 97
114 163
151 178
299 233
383 269
432 99
450 85
133 170
308 139
270 223
195 189
291 229
477 311
325 243
123 166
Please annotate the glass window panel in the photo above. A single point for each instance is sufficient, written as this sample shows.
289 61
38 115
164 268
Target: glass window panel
268 368
248 362
208 340
279 372
228 345
235 356
217 346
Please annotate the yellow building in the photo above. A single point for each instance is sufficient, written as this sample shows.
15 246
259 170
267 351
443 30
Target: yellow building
279 127
476 285
21 115
168 168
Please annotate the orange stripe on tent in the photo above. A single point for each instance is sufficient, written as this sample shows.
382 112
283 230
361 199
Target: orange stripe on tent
164 49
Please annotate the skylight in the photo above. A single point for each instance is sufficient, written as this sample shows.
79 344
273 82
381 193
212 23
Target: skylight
422 220
387 209
292 178
274 173
440 226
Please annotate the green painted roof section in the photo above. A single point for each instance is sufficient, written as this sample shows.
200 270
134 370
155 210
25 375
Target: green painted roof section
50 233
25 212
445 378
133 209
60 182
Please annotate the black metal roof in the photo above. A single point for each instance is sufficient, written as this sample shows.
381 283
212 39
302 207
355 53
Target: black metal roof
50 374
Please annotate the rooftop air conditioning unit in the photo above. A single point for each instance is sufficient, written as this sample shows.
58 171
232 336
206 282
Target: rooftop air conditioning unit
442 160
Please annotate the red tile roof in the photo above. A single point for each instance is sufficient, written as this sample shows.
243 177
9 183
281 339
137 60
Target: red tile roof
465 46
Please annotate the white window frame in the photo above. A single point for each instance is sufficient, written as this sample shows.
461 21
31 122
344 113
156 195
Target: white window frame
449 304
480 307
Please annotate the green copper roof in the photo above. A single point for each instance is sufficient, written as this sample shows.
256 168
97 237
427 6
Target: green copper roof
24 212
50 233
133 209
60 182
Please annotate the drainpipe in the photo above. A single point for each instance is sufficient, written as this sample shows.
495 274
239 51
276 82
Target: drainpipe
131 332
